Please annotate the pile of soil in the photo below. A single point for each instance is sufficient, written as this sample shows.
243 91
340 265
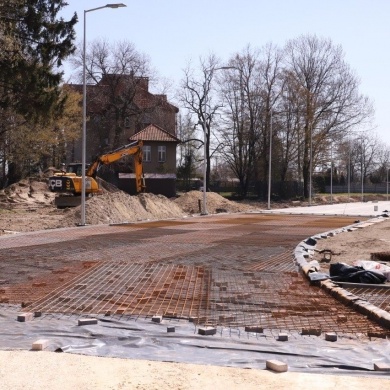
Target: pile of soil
190 202
30 192
120 207
29 206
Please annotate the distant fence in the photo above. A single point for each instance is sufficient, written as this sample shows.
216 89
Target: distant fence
380 188
279 190
259 189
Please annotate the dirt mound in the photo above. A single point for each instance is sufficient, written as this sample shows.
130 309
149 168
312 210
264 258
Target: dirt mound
29 206
27 192
189 202
119 207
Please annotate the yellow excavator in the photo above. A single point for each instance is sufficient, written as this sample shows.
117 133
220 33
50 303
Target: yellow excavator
68 183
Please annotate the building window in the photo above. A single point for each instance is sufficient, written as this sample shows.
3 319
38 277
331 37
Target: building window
162 153
147 152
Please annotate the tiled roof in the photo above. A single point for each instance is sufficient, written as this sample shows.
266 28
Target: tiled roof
154 133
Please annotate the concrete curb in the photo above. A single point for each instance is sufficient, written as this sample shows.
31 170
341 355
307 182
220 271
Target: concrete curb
305 250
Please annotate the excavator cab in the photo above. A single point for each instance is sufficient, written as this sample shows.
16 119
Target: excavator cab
75 168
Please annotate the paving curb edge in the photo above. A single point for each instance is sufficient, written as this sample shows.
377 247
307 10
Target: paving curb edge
305 251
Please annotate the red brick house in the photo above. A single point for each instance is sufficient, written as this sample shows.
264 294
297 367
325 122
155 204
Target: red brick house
120 109
159 161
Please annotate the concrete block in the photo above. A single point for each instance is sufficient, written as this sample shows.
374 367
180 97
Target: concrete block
379 335
229 318
254 329
193 319
330 336
381 367
87 321
208 331
170 314
40 345
276 365
283 337
157 319
311 332
170 329
23 317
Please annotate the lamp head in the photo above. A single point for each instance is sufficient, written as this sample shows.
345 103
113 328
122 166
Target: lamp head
117 5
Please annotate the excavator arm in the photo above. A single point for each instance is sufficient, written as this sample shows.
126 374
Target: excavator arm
135 148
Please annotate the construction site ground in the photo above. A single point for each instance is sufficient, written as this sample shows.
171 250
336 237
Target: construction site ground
157 285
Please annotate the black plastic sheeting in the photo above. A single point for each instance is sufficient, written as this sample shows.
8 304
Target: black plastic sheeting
355 274
144 339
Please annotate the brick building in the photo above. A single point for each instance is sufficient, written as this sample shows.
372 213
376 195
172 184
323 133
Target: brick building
120 109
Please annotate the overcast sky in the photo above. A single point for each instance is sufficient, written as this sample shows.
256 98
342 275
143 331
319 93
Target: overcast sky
172 32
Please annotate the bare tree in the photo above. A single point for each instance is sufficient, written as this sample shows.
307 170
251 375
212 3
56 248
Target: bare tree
240 130
328 91
250 89
188 152
365 154
121 75
197 94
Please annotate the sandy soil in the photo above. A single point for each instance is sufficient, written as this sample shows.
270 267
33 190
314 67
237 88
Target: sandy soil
360 244
26 370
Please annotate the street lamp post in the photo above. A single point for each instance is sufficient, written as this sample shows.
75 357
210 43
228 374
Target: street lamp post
269 163
349 172
331 172
311 162
204 208
84 134
362 163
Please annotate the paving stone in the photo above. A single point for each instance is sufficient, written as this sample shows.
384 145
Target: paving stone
40 344
276 365
208 331
283 337
23 317
157 319
330 336
87 321
311 332
254 329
